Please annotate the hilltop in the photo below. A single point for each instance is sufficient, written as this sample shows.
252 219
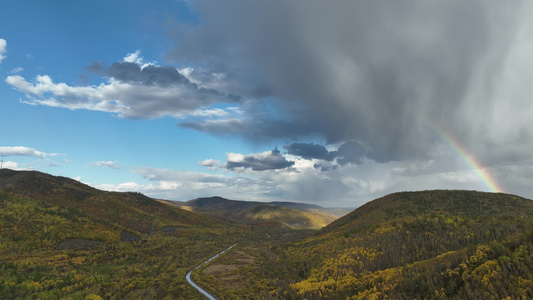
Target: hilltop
131 210
278 214
455 202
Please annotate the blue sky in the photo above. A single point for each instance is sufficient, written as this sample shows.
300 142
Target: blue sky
269 101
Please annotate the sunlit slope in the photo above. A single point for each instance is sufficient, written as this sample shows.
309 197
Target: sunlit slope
285 214
132 210
28 225
431 244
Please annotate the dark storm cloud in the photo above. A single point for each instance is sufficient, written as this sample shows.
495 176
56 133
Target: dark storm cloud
96 67
134 73
371 71
310 150
350 153
255 126
231 126
258 162
149 75
325 168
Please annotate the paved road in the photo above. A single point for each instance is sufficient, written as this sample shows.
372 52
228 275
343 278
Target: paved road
188 277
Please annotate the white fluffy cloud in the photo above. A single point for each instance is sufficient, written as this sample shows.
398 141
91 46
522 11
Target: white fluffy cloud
134 57
16 70
3 50
133 89
185 185
123 99
23 151
10 165
26 159
348 186
107 164
211 164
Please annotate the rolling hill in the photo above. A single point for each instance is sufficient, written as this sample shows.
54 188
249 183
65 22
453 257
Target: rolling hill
61 239
131 210
416 245
411 245
280 214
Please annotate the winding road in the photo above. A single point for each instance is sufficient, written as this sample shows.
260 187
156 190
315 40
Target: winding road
194 285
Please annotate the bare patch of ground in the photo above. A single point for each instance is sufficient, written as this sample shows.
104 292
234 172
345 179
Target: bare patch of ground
219 269
227 270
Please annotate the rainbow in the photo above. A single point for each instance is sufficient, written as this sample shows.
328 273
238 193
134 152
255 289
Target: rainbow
481 171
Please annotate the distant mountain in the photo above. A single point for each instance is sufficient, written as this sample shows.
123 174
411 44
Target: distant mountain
422 245
219 203
299 206
282 214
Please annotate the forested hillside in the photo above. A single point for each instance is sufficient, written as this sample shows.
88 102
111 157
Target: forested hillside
132 210
420 245
61 239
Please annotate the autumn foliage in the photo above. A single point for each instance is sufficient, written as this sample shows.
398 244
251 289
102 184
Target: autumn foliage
61 239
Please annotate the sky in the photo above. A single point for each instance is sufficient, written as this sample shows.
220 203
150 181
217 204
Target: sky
329 103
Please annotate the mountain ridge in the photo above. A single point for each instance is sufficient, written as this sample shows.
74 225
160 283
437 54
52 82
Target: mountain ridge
285 214
218 199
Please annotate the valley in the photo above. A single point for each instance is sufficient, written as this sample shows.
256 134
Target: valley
288 150
61 239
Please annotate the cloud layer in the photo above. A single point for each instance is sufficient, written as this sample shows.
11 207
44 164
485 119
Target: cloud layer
363 97
388 76
133 90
